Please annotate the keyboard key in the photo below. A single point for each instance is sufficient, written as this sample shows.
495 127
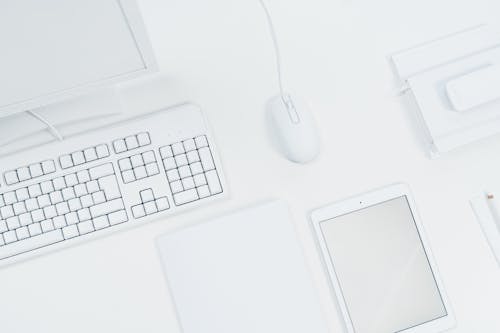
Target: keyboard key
162 204
6 212
166 152
136 161
147 195
169 163
117 217
31 243
62 208
110 187
50 212
102 151
188 183
143 139
148 157
59 222
101 171
35 229
101 222
206 159
24 219
71 218
98 197
213 182
185 197
200 180
78 157
150 207
128 176
152 169
71 179
178 149
193 156
90 154
2 202
80 190
31 204
11 178
201 141
23 174
68 193
22 233
74 204
196 168
85 227
70 231
48 167
131 142
119 146
140 172
176 187
10 198
57 197
83 214
43 201
36 170
47 187
3 226
47 225
184 171
83 176
203 191
37 215
125 164
181 160
87 200
66 161
106 208
19 208
173 175
92 186
59 183
9 237
138 211
189 145
21 194
34 191
13 222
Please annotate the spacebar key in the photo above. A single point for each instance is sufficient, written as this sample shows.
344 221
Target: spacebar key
30 244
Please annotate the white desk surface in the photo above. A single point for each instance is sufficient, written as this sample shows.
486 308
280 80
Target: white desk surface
218 53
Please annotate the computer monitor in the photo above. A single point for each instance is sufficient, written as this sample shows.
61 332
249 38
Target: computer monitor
52 50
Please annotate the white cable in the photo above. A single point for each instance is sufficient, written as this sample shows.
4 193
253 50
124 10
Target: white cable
276 50
50 127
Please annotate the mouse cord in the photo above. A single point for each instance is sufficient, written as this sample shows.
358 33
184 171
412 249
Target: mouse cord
50 127
276 51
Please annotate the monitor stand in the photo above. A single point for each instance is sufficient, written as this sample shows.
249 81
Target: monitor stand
78 115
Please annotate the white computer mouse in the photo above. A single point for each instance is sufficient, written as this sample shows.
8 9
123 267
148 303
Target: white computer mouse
294 127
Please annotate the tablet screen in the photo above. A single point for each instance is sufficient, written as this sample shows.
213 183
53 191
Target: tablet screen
385 277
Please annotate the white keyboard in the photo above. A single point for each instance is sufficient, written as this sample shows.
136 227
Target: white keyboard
106 180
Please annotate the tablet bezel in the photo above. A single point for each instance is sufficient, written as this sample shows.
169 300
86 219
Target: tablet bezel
366 200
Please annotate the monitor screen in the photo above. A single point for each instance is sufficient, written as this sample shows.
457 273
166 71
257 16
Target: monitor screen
52 47
382 267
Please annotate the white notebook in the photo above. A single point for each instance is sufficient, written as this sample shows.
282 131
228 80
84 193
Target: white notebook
242 273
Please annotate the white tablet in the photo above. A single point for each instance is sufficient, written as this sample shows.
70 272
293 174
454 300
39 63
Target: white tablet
380 265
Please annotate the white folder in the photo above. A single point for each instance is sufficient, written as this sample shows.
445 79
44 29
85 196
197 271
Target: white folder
242 273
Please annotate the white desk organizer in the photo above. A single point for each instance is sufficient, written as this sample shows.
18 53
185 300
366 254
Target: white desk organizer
456 83
487 212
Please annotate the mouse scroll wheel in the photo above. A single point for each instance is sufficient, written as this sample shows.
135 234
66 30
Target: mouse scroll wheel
292 111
